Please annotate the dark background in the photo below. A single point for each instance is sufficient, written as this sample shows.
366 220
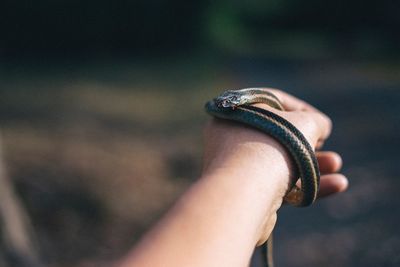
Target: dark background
86 29
101 111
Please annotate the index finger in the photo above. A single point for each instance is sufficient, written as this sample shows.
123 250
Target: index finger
292 103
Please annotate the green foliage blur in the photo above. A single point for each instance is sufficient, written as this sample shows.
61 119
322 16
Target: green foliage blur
285 28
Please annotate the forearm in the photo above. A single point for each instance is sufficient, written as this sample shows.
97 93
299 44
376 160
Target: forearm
232 207
220 219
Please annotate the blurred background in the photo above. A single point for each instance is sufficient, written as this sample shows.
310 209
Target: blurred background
101 112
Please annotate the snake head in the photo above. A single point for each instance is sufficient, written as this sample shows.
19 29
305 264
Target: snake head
229 99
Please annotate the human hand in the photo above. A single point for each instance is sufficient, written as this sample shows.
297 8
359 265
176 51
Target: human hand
234 147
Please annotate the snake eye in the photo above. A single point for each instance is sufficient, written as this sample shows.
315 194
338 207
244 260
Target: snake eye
227 101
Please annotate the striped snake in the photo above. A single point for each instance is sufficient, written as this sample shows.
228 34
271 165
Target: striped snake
236 105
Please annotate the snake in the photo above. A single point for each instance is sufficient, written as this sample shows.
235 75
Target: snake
238 105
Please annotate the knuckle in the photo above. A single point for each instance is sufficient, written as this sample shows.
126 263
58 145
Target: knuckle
310 123
329 122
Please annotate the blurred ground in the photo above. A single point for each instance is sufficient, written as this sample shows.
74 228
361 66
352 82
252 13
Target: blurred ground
99 150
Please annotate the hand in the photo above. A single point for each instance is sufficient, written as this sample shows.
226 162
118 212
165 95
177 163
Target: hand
231 146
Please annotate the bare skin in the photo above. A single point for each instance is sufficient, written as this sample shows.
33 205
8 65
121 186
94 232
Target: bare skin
232 207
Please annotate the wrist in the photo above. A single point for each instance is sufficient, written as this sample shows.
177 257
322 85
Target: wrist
250 156
258 169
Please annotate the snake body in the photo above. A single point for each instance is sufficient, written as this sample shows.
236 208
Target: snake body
237 105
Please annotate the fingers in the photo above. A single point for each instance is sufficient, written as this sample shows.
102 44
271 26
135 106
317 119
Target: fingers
310 120
328 161
331 184
322 122
318 127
